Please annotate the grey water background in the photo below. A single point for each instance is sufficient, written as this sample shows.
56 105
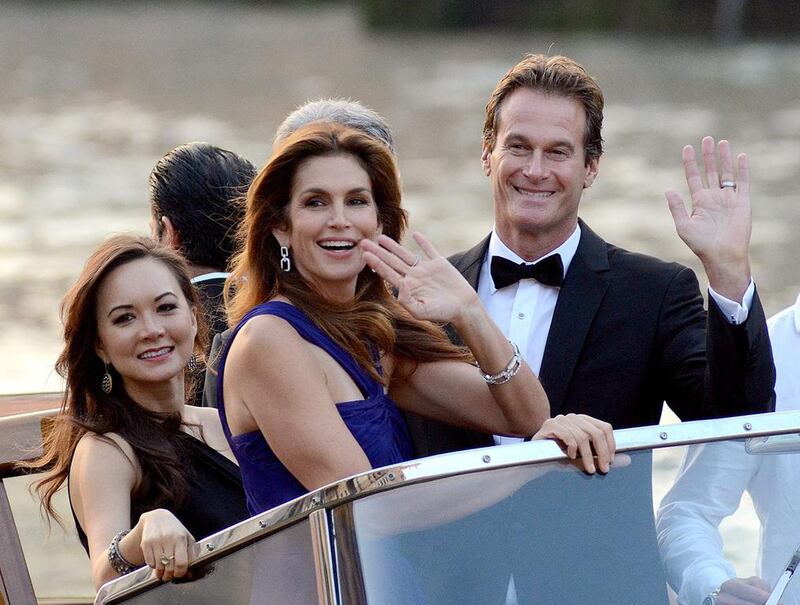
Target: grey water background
92 95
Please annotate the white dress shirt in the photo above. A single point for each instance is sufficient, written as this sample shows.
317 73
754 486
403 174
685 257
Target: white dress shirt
524 311
710 485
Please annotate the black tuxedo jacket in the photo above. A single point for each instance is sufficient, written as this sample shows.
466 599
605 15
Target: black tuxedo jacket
629 332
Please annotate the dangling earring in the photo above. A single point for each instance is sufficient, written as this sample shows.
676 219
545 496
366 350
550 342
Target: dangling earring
193 365
106 384
286 262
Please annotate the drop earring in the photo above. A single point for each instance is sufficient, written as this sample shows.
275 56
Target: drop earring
193 365
106 384
286 262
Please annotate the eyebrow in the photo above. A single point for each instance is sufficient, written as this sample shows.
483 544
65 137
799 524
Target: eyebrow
322 190
156 299
514 137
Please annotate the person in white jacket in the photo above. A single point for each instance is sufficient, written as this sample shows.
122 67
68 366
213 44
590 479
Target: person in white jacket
709 487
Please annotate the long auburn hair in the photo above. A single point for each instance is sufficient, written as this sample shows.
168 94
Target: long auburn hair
156 439
373 318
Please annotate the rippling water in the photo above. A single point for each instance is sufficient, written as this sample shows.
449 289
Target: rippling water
92 96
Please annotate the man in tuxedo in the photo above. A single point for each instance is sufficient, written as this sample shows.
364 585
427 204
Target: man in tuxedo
610 333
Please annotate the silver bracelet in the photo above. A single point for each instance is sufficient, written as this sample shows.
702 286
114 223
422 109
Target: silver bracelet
119 563
509 372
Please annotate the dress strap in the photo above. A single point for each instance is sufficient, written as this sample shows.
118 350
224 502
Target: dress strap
313 334
310 332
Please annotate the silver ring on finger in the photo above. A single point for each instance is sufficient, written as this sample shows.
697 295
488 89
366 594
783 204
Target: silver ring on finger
416 261
725 184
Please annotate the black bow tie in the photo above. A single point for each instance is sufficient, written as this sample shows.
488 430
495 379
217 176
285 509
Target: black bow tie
548 271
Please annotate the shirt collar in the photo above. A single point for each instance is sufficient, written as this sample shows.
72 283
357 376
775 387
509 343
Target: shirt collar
209 276
498 248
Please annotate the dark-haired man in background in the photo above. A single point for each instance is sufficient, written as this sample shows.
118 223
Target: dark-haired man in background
196 194
196 199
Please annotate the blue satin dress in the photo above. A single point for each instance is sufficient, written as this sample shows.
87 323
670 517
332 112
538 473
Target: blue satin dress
375 422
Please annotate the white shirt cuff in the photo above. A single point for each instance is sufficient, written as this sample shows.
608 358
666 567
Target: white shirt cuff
700 586
735 313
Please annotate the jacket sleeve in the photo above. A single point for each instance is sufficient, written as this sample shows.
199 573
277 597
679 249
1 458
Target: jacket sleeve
712 368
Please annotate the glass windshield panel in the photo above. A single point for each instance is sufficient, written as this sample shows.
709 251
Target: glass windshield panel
550 534
57 563
561 535
731 518
278 570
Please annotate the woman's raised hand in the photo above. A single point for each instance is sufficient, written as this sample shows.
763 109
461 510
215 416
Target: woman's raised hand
165 543
427 285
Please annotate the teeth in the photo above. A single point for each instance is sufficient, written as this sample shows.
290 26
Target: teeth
538 195
151 354
338 245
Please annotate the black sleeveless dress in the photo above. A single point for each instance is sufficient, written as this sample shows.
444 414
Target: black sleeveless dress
215 499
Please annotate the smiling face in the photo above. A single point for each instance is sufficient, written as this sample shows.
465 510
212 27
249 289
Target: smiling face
145 326
538 170
331 209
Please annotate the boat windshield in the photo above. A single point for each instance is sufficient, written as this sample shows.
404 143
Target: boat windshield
666 525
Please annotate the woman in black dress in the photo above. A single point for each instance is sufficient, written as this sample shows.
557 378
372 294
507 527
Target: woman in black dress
146 473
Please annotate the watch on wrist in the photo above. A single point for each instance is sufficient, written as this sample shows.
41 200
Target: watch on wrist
711 599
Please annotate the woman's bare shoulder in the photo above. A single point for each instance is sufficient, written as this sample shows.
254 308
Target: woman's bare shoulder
109 451
264 337
264 329
103 444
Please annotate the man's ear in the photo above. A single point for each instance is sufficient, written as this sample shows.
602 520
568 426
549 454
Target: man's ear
486 160
170 236
591 172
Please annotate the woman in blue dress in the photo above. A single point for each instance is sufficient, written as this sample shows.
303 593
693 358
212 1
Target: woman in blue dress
323 354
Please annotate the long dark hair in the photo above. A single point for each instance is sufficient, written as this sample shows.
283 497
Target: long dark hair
373 317
156 439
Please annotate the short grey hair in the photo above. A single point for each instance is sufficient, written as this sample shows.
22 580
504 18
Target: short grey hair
338 111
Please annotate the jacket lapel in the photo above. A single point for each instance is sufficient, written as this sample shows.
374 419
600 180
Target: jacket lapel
583 289
469 263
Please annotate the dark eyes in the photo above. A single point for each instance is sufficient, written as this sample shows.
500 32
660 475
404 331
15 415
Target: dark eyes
122 319
522 148
318 203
